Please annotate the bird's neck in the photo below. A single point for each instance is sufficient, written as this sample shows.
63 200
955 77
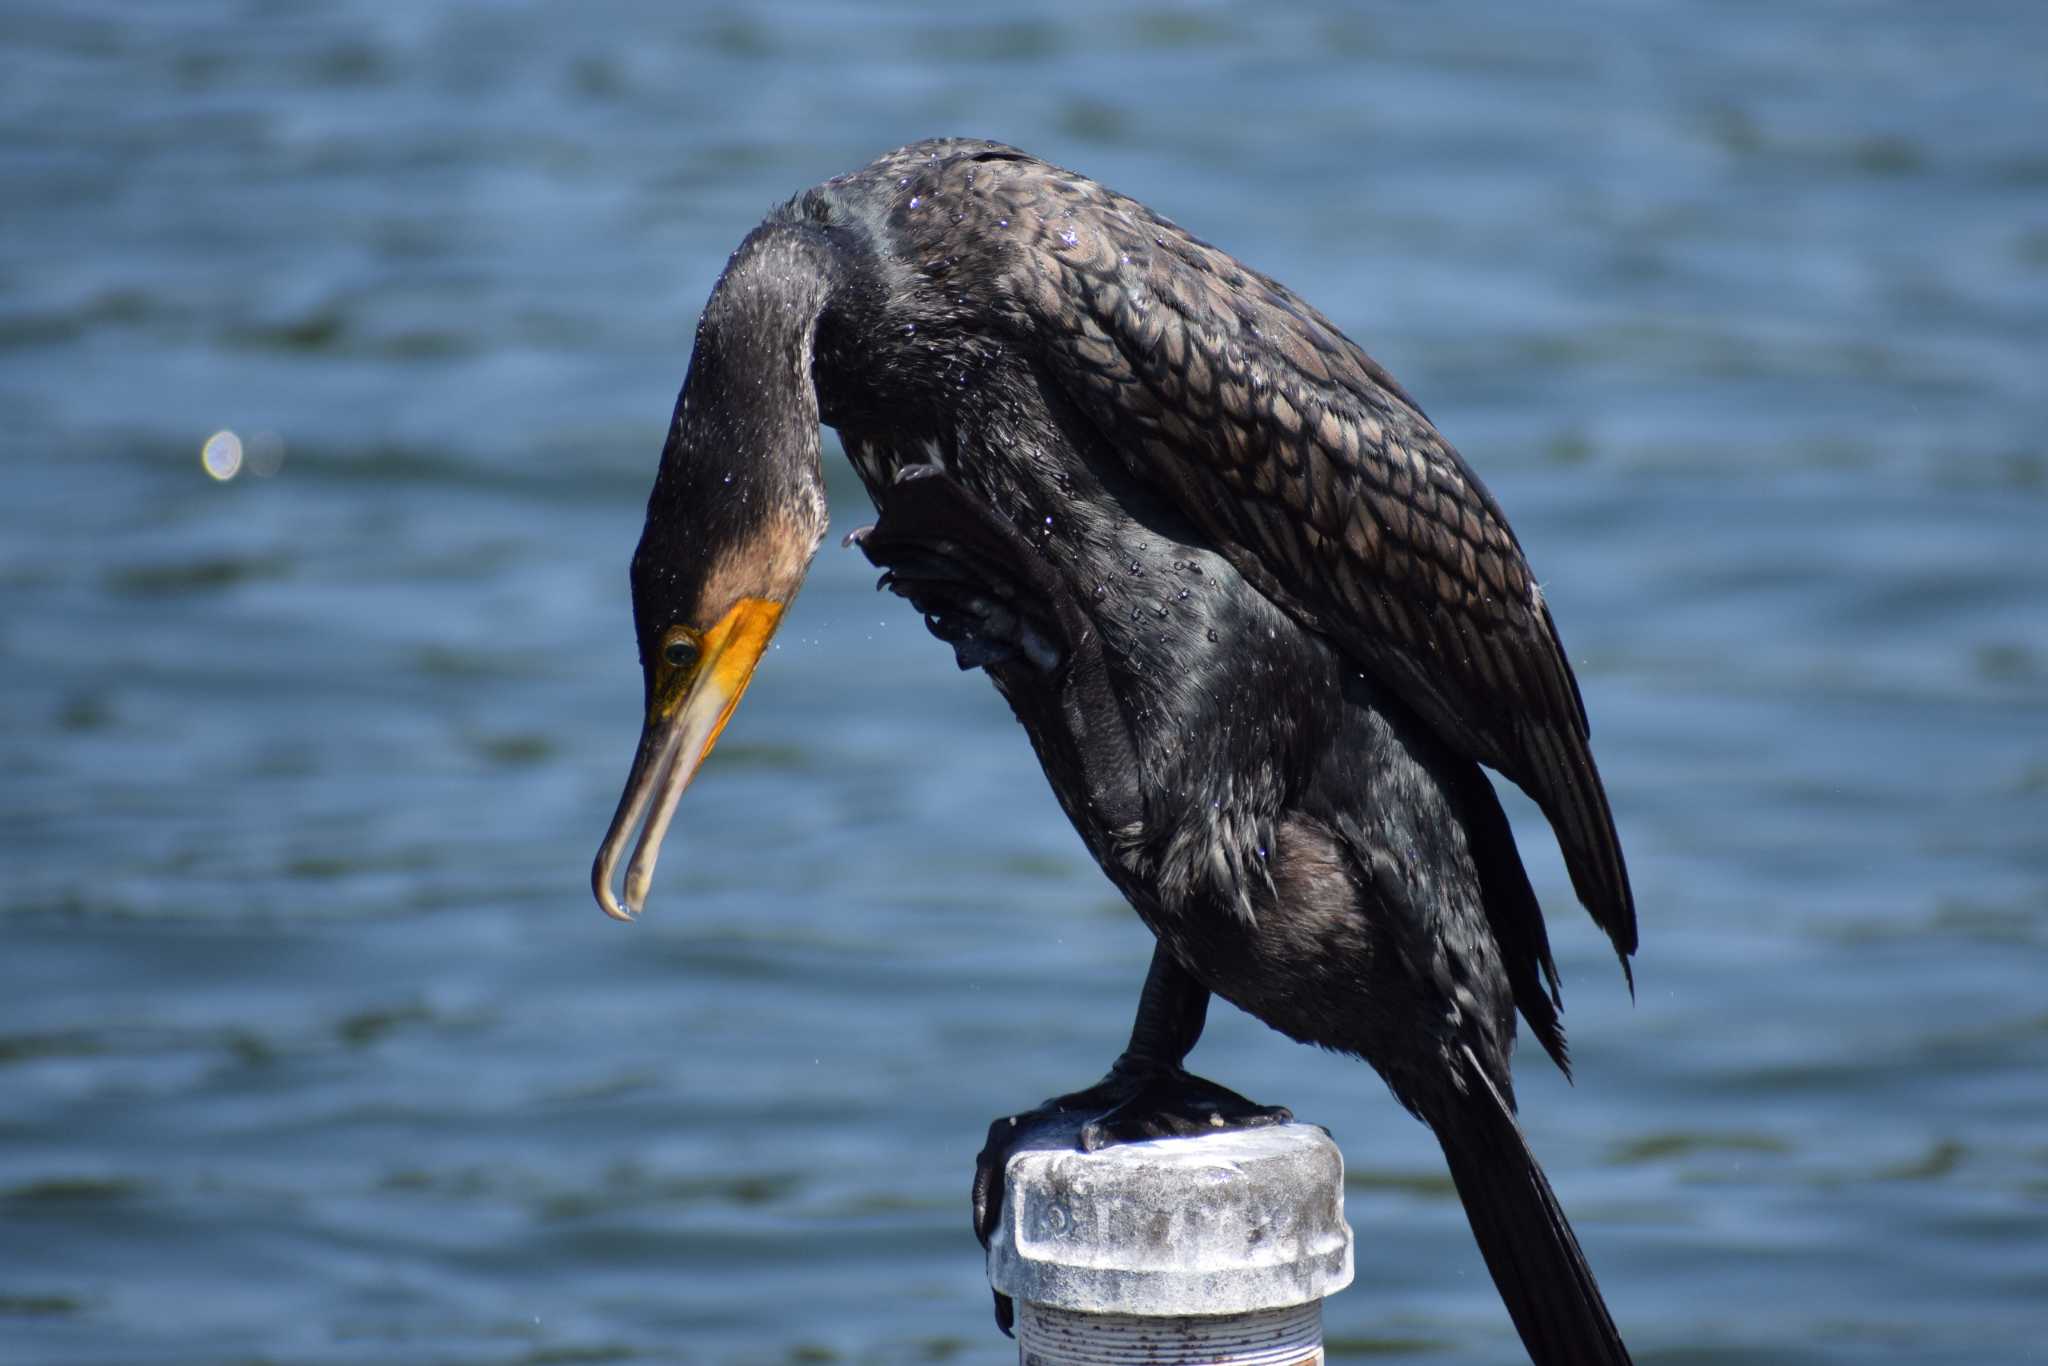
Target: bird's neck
752 365
742 458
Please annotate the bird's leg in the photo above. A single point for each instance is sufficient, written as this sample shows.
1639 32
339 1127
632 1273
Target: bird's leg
1156 1097
1146 1094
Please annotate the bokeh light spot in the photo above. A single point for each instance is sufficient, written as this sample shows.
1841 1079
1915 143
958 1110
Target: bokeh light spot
221 456
265 454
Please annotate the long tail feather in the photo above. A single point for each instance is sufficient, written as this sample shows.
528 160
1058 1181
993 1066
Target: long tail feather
1523 1234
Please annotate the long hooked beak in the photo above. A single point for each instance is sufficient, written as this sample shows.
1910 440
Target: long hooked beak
690 707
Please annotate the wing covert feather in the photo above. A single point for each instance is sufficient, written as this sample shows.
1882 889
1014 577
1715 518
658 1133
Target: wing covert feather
1316 474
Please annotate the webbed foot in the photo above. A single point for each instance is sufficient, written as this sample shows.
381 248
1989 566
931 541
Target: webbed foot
980 586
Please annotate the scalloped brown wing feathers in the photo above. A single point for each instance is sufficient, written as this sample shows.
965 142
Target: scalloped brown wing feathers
1318 477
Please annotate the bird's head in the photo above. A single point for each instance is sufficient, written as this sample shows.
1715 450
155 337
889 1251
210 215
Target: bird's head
737 513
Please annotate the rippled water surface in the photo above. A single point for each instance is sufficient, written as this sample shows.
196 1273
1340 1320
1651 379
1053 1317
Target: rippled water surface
312 1046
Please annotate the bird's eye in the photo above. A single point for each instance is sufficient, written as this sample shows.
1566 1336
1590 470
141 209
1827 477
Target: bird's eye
681 652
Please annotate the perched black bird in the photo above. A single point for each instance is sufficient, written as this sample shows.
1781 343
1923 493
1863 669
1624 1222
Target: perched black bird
1261 622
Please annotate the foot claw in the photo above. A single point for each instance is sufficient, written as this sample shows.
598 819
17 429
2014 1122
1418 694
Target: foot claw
1129 1105
955 559
1006 1314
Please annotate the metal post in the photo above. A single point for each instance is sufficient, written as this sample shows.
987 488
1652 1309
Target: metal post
1210 1250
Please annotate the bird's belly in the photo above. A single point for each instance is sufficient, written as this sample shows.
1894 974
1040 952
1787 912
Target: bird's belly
1226 702
1222 699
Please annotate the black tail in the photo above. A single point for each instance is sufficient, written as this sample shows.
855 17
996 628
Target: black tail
1528 1244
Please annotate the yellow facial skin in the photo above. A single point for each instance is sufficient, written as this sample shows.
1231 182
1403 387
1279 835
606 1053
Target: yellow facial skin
723 658
699 678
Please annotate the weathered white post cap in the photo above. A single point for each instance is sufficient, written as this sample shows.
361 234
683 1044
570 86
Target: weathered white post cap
1212 1249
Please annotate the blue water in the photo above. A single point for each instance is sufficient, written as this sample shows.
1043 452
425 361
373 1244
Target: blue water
312 1045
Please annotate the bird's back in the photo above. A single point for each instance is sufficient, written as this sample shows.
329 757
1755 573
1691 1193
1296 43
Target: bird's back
1235 405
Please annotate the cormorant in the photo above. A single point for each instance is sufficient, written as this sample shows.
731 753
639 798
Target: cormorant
1262 624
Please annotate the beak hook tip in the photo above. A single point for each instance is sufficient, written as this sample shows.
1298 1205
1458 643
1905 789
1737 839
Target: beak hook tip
608 903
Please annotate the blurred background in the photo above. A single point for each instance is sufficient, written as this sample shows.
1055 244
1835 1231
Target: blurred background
337 343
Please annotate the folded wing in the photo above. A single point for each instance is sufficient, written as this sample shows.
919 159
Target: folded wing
1318 477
